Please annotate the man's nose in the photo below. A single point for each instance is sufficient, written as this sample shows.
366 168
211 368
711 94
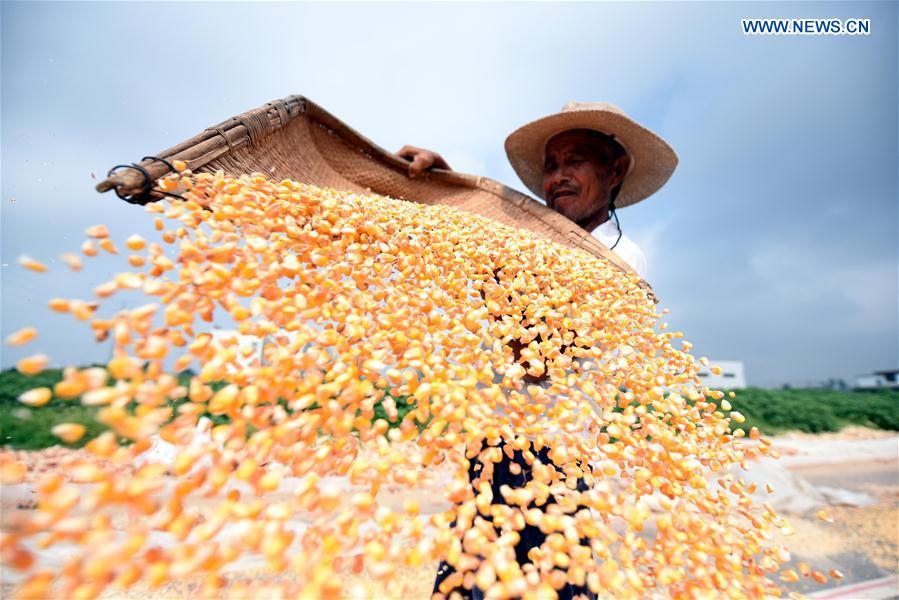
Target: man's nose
556 178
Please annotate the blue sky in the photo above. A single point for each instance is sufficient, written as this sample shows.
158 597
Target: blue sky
775 242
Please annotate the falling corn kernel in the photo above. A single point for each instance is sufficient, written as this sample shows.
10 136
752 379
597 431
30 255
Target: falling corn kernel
32 365
68 432
59 305
12 473
72 260
97 231
109 246
30 263
789 576
88 248
825 516
22 336
36 397
135 242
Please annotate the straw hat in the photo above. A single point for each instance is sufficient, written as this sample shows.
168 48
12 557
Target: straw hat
652 159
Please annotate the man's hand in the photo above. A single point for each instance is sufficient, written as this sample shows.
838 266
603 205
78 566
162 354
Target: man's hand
421 160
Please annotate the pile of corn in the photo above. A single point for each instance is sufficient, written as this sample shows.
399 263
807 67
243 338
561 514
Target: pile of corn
365 300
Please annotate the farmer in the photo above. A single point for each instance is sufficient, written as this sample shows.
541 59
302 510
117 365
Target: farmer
585 162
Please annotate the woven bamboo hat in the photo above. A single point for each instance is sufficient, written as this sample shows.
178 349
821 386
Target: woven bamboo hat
652 159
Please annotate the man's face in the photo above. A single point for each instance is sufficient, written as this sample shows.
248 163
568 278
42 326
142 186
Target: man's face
578 176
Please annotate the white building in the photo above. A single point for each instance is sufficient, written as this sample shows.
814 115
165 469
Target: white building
249 347
732 376
878 379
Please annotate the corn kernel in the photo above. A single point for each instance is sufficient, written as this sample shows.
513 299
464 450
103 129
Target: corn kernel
22 336
32 365
69 432
29 263
36 397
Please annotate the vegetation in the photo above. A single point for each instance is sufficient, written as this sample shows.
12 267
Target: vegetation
814 410
23 427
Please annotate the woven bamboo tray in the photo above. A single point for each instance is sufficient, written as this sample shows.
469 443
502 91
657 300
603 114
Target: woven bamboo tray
297 139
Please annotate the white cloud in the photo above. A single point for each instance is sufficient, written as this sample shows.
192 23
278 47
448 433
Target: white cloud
795 278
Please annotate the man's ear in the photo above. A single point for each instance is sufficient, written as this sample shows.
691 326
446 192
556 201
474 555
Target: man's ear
619 169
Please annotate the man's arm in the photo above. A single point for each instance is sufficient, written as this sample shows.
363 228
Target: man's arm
421 160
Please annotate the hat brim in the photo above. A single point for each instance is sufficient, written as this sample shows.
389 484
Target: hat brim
652 159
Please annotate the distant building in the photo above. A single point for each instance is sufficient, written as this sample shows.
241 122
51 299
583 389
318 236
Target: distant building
732 376
878 379
249 347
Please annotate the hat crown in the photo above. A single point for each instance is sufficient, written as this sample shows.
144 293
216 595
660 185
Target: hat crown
603 106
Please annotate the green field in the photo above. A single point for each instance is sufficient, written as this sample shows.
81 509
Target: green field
772 411
816 410
23 427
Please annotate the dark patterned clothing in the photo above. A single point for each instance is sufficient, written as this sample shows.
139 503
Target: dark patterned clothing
531 536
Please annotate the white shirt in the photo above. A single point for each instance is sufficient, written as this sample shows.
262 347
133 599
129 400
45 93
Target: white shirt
626 249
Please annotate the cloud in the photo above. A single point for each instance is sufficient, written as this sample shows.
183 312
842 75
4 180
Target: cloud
862 297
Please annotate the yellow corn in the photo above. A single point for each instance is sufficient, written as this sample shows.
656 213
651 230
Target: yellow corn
22 336
364 300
